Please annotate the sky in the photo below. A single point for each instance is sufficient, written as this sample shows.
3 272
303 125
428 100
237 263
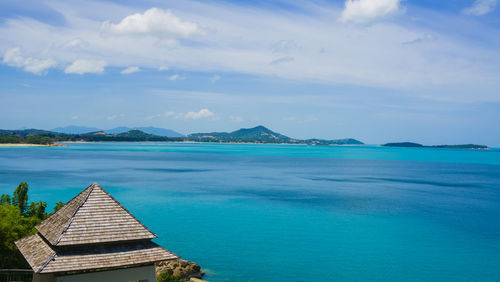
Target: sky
376 70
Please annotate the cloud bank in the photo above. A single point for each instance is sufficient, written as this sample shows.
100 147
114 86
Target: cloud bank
350 44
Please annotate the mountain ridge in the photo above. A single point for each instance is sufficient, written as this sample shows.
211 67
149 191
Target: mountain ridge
258 134
73 129
262 134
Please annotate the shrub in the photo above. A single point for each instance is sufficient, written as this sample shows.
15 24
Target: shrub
167 277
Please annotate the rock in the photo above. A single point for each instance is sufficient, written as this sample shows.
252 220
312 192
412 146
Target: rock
180 267
192 279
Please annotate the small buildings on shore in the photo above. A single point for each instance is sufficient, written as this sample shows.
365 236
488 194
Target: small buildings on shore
92 238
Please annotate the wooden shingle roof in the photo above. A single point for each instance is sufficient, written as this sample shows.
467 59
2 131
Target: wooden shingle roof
43 259
36 251
91 232
93 216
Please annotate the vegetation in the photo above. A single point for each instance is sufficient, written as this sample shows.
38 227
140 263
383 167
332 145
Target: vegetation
403 144
17 220
465 146
34 136
261 134
167 277
28 140
258 134
130 136
9 139
416 145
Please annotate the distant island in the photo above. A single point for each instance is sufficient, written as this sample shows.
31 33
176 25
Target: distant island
258 134
261 134
417 145
73 129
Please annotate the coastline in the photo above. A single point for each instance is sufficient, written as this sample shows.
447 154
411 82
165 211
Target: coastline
30 145
199 142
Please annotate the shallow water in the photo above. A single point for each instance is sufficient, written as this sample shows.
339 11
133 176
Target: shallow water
291 212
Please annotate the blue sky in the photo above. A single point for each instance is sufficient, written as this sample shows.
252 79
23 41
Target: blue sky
375 70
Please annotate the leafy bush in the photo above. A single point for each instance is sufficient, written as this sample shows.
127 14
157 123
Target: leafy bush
167 277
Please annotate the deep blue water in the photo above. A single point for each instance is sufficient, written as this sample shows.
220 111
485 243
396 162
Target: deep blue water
292 213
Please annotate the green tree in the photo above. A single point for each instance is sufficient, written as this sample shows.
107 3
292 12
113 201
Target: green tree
18 220
38 210
20 198
13 226
38 140
5 199
9 139
58 206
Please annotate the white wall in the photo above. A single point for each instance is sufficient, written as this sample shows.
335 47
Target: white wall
142 273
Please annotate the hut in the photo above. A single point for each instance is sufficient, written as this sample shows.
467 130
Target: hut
92 238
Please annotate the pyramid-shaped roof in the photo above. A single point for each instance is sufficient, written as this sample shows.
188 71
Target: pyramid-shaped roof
93 216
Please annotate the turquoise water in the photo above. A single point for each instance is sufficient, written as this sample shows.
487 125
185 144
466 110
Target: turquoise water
290 212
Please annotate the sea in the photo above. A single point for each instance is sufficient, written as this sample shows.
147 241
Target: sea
253 212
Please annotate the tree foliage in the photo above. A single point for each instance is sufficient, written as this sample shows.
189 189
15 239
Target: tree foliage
38 210
20 198
167 277
5 199
58 206
13 226
18 220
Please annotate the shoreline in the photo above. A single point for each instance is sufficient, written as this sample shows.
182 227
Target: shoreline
30 145
198 142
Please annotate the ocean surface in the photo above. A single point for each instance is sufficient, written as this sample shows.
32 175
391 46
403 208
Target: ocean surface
292 212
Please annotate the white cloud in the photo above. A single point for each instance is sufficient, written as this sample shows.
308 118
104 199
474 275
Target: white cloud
86 66
420 39
75 117
323 50
175 77
14 58
154 22
366 11
163 68
130 70
203 113
76 43
480 7
215 78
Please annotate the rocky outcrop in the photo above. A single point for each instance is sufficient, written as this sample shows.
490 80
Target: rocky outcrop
179 267
193 279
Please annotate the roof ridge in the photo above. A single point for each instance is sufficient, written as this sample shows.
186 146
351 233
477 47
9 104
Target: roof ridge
50 257
68 224
155 236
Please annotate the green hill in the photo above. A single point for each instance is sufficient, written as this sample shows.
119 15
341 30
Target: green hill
416 145
261 134
129 136
258 134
